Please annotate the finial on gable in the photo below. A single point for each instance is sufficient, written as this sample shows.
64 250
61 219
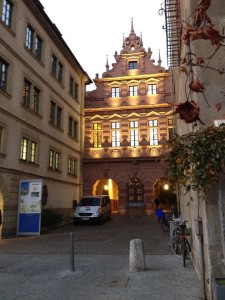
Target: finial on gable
159 60
132 26
123 41
107 64
141 42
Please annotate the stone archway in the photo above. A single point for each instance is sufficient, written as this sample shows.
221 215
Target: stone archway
163 191
107 187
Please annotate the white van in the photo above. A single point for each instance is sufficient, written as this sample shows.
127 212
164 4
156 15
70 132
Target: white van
92 209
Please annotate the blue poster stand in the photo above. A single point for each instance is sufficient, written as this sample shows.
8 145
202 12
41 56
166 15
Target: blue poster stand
29 207
29 224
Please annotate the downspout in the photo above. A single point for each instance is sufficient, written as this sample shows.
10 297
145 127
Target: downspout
199 234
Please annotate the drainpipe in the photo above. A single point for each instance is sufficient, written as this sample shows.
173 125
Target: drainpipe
199 234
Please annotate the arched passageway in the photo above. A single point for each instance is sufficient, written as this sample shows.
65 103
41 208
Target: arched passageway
164 193
107 187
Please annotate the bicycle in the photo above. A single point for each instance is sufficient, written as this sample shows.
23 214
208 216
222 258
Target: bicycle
179 243
165 223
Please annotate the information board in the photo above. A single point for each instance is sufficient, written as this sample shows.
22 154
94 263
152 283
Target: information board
29 207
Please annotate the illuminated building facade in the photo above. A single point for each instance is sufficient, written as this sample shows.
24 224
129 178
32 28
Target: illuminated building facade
127 119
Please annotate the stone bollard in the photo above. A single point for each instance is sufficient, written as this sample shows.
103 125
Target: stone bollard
137 257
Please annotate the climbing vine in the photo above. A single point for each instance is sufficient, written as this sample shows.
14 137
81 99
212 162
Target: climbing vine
196 160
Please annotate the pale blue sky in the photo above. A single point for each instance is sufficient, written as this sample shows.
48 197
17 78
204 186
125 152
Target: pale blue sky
94 29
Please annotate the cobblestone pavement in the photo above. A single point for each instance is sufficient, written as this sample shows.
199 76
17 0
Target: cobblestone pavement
41 267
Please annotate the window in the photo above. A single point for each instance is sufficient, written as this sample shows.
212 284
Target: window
133 90
33 42
132 65
54 160
134 124
28 150
60 72
29 37
152 89
26 93
115 134
72 166
170 128
97 135
3 74
73 88
55 115
35 100
54 65
7 12
134 134
115 92
57 68
38 46
31 96
153 133
73 128
1 139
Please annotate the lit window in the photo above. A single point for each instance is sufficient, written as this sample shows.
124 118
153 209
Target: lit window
3 75
33 152
35 102
153 132
31 96
72 166
7 12
134 134
115 134
152 89
133 90
115 92
97 135
134 124
132 65
26 93
170 128
28 150
54 160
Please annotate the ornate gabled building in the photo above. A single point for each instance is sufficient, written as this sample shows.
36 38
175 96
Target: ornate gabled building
127 119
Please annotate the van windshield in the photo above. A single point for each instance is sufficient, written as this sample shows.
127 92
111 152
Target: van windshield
89 202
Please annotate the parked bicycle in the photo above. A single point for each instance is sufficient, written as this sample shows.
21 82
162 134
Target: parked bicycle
165 223
179 243
163 219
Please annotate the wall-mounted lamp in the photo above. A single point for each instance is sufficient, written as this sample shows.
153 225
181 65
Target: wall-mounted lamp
166 186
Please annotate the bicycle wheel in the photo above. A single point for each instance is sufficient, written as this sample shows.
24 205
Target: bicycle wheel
165 226
176 245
